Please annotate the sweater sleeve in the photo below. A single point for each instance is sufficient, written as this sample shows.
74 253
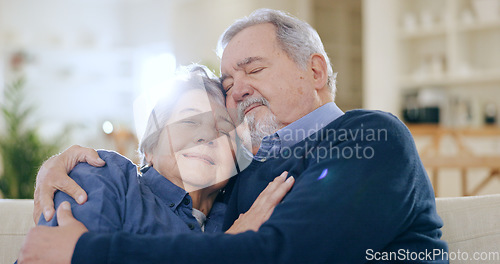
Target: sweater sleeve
340 207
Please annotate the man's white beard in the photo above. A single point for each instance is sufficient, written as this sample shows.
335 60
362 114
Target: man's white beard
258 129
266 126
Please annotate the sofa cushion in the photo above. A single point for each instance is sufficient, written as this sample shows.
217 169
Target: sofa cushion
471 224
16 218
471 227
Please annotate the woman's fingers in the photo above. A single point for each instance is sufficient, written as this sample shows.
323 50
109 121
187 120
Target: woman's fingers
272 196
274 192
264 205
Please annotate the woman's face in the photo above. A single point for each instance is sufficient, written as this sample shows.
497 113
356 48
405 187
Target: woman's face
195 149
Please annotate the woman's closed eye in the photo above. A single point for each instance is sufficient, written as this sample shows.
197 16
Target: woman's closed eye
228 87
189 122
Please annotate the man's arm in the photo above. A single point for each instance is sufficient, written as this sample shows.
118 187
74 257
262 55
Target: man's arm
334 217
62 239
53 176
358 204
68 232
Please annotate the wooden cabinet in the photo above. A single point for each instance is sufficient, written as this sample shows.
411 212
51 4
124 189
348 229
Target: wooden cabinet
462 150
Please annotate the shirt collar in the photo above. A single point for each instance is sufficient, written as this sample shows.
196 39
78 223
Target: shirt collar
297 131
171 194
308 124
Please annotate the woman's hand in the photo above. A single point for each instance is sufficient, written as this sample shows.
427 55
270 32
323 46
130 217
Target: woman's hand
264 206
53 176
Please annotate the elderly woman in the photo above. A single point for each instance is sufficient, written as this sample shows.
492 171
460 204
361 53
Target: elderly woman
188 155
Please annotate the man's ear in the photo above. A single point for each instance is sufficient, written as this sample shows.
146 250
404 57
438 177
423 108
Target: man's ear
319 70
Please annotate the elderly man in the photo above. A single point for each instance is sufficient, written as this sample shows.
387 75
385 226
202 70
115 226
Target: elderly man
361 192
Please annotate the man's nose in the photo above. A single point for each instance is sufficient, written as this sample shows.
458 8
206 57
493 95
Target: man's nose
241 89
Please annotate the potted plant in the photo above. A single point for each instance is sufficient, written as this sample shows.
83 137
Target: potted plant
22 150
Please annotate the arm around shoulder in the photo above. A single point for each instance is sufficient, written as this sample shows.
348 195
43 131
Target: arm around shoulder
106 187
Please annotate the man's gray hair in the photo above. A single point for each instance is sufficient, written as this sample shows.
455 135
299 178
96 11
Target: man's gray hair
193 77
296 37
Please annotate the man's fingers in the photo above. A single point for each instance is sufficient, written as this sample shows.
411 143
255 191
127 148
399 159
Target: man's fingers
37 209
53 176
47 205
70 187
46 196
84 155
64 214
92 158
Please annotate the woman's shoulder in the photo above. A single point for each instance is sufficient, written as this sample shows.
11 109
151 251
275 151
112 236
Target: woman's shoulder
118 171
114 157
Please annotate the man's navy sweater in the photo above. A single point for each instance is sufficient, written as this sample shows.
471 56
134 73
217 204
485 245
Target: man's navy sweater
361 194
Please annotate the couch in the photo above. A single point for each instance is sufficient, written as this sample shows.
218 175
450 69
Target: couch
16 218
471 227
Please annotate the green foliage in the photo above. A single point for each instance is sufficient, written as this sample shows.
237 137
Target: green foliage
21 148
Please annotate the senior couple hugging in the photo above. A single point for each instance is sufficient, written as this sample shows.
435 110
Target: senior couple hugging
281 206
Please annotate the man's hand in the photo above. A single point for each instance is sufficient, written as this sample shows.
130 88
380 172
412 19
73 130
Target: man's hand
264 206
45 244
53 176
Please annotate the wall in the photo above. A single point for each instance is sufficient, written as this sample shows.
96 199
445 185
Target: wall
390 54
195 35
84 57
339 23
72 66
380 68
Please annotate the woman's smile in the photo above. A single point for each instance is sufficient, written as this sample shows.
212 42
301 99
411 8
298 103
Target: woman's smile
198 156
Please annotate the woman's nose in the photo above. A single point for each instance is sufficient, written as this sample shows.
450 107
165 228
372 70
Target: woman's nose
207 136
208 142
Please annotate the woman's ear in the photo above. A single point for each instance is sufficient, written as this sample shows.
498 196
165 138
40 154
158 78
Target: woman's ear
319 70
149 159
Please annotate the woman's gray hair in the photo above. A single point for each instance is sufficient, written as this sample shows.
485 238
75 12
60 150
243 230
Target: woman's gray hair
192 77
296 37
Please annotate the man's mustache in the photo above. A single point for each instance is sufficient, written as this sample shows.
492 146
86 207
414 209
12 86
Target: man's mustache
242 106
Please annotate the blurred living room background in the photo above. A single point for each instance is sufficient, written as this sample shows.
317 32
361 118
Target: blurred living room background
80 65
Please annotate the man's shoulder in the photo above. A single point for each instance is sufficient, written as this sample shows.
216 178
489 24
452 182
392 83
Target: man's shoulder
368 117
364 125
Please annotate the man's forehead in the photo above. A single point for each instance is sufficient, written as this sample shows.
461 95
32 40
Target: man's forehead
245 41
